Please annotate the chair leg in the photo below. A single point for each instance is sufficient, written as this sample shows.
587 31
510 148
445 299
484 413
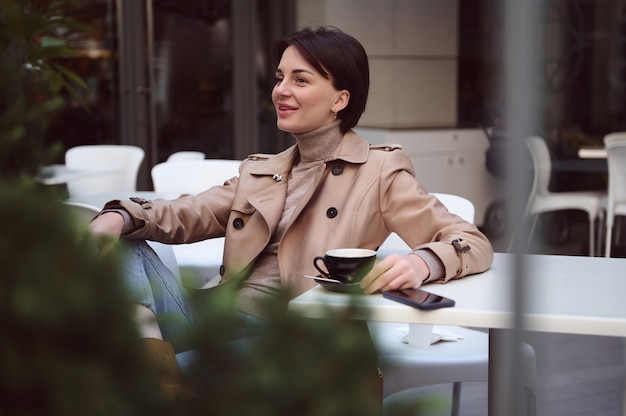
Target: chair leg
531 404
600 230
456 398
529 396
529 377
532 230
607 248
592 235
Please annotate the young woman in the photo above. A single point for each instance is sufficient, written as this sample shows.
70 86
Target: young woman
330 190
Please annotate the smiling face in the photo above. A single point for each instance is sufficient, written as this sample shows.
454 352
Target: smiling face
303 98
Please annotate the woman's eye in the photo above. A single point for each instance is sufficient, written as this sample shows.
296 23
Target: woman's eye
279 80
301 81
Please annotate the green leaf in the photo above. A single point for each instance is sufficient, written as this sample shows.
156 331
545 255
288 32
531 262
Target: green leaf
52 42
17 132
33 25
57 52
55 82
70 75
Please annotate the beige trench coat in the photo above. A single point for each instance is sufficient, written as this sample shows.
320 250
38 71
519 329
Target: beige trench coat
356 200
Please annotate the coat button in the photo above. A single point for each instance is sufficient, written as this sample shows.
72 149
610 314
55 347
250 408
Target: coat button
222 270
337 170
331 212
138 200
238 223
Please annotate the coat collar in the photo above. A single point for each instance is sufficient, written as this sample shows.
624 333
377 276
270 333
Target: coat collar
353 149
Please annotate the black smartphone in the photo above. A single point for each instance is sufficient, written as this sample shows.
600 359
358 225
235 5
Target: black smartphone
419 298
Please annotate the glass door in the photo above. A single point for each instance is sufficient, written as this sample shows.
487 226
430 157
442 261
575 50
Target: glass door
192 77
168 75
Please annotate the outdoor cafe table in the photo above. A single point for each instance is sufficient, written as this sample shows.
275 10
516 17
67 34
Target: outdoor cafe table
99 199
595 152
565 294
61 174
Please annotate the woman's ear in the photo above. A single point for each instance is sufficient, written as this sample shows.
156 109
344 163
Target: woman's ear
341 101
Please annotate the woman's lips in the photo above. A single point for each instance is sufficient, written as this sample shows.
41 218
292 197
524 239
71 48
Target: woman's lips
284 109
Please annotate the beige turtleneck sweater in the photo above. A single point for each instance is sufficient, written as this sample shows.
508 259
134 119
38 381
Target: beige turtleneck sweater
314 147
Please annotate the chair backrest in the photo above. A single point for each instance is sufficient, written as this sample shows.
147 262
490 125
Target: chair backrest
193 176
615 144
616 137
186 155
458 205
84 213
542 165
124 161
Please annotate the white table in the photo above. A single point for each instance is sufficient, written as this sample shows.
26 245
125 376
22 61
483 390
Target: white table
60 174
566 294
592 153
98 200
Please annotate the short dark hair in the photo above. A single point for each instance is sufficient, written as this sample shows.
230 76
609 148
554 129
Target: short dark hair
336 55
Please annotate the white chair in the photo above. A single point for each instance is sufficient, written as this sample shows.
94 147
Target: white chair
192 176
83 213
456 204
199 262
615 144
542 200
186 155
406 367
123 162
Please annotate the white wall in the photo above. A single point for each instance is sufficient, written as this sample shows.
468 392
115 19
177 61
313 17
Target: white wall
413 51
447 161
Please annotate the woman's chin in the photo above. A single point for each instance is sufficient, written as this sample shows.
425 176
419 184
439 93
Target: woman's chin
287 128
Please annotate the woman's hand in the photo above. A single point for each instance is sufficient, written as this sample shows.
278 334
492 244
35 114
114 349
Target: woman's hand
396 272
107 229
107 225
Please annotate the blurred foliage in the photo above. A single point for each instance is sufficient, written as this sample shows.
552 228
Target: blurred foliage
67 343
33 33
293 366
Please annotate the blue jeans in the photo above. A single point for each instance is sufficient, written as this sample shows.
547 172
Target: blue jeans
153 285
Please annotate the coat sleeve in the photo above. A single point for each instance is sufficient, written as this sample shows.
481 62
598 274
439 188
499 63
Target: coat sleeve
423 222
187 219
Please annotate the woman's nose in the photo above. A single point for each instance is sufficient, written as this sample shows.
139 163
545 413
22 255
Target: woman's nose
282 89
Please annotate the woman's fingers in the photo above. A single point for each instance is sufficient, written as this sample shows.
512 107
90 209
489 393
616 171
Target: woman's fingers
395 272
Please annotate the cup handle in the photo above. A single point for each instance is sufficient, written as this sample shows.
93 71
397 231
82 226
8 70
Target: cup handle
319 269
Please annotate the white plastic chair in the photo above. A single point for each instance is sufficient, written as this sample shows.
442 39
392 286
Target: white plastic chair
407 367
186 155
542 200
199 262
615 144
124 161
192 176
82 213
456 204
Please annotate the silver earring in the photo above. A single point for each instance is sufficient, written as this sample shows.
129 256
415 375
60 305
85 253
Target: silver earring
334 115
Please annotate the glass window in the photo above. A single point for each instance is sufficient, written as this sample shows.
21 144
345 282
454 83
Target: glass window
190 84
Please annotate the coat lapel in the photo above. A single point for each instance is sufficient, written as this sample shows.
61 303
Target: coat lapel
269 201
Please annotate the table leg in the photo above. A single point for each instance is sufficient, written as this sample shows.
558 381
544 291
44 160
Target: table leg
420 335
505 392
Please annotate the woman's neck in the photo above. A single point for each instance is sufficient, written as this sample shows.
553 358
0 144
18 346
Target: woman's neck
319 144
